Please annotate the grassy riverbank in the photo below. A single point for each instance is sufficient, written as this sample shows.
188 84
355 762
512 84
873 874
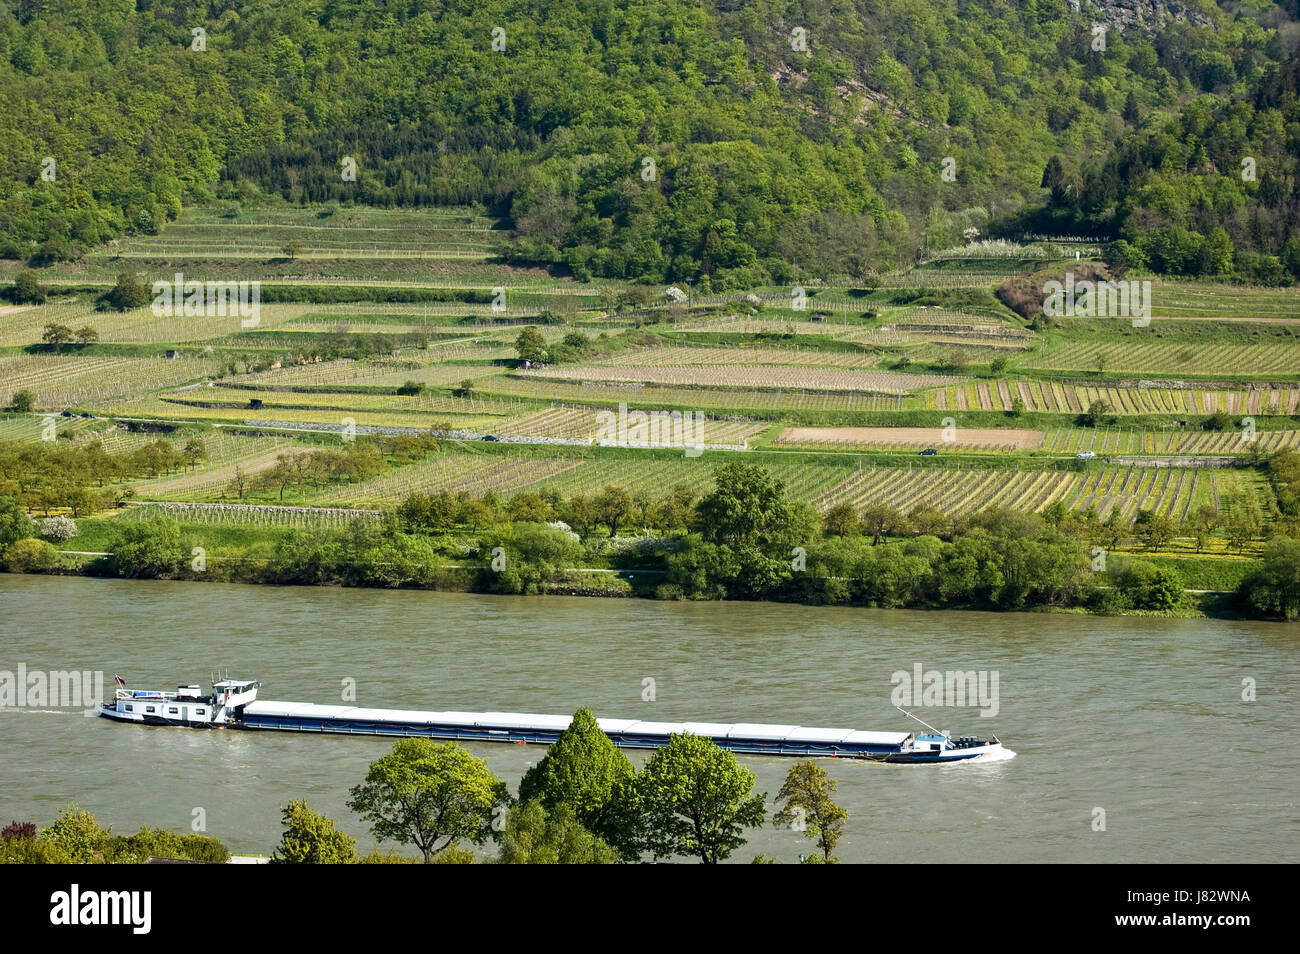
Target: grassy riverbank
254 555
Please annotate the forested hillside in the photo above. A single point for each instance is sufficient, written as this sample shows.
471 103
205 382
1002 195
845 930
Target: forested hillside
737 143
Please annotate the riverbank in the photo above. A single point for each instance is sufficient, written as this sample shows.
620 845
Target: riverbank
224 566
748 540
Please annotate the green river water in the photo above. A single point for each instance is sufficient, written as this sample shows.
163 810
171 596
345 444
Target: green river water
1143 718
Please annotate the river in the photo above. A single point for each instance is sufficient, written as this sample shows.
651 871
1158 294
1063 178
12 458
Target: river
1141 718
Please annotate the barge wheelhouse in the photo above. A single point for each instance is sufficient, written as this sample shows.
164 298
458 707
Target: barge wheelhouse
186 706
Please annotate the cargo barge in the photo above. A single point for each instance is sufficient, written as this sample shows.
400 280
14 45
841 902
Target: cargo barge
234 703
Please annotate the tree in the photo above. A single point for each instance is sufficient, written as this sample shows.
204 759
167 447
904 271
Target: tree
238 483
311 838
534 836
531 345
56 335
23 401
1054 180
128 292
429 795
1240 523
277 477
77 832
1096 414
1275 586
585 771
27 289
582 514
195 450
696 799
615 505
1150 587
609 300
806 804
1204 523
747 506
291 249
58 529
840 520
880 521
149 548
1055 513
15 525
86 335
673 511
30 555
1220 420
1131 112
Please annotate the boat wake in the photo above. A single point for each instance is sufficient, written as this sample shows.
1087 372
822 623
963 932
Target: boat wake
997 755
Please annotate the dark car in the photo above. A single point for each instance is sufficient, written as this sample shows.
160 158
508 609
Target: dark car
490 437
929 452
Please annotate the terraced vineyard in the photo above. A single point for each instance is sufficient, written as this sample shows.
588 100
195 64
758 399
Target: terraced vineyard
237 399
451 470
689 398
739 356
1167 490
1169 357
966 438
1172 441
676 357
766 377
253 515
583 423
1058 397
59 381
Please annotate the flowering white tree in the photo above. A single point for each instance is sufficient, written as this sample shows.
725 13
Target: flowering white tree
58 528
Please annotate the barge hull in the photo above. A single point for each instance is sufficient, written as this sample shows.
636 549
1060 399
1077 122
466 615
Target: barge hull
523 728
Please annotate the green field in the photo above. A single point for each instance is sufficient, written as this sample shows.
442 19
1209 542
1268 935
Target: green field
750 361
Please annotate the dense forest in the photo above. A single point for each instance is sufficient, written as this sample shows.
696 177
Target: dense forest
733 142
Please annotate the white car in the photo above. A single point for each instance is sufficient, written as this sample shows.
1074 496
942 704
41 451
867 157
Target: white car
1086 455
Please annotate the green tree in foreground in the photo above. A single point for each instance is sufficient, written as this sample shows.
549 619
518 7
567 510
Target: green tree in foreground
696 799
75 837
15 525
534 836
77 833
429 795
1275 586
807 806
311 838
30 555
586 772
149 548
